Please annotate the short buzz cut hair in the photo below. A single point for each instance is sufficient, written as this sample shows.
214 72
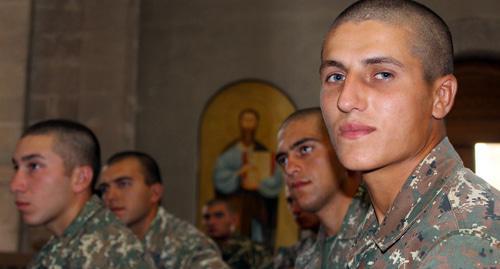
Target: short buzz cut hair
75 143
221 201
149 166
430 40
301 114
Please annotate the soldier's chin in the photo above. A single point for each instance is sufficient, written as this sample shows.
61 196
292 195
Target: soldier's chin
31 221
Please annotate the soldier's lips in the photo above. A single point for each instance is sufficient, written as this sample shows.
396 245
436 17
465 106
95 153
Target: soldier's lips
117 210
355 130
299 184
22 206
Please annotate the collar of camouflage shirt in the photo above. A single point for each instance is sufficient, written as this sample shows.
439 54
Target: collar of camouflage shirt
418 192
86 213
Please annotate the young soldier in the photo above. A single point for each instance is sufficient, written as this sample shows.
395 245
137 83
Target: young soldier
220 220
308 224
131 186
55 163
321 186
387 84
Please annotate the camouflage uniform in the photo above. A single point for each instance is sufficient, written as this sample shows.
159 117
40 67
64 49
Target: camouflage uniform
342 242
443 217
176 244
242 253
286 256
95 239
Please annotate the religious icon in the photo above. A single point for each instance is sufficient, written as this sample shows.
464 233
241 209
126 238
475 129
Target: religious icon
237 143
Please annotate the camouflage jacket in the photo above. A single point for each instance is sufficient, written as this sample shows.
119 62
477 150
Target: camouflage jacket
443 217
344 240
242 253
286 256
95 239
176 244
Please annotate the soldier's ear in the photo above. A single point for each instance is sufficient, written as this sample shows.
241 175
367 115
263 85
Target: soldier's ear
445 89
156 192
81 178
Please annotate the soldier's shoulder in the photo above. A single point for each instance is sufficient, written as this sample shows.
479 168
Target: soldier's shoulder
464 249
473 202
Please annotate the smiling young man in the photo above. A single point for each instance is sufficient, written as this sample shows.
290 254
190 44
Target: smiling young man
387 84
320 185
55 164
131 186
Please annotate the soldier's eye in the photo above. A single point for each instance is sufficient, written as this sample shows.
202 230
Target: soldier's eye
102 189
281 160
123 183
335 78
219 215
305 149
33 166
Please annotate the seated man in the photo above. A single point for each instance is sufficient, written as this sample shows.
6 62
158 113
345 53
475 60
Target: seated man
55 163
131 186
387 86
322 186
220 220
308 223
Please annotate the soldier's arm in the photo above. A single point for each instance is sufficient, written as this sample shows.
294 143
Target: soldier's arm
464 251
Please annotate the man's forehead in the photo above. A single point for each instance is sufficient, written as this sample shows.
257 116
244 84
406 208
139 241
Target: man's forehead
300 129
218 207
34 144
367 35
113 172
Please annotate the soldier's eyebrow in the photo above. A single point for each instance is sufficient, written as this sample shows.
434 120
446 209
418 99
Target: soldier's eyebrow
331 63
103 184
383 60
303 141
121 179
31 157
295 145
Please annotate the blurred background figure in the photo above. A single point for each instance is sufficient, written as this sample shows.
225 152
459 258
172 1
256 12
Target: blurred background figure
308 224
131 187
245 176
220 220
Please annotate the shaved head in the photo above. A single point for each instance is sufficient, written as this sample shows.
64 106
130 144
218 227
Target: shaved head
430 39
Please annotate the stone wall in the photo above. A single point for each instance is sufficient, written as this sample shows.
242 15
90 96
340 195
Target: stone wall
14 34
83 67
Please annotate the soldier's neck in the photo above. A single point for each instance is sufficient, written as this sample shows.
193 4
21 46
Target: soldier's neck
332 214
59 224
141 227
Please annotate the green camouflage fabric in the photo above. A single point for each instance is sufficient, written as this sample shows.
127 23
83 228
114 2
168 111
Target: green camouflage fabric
242 253
356 215
95 239
176 244
444 217
286 256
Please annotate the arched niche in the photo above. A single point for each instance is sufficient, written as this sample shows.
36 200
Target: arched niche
219 129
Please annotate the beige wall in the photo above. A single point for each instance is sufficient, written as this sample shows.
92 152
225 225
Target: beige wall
14 33
83 67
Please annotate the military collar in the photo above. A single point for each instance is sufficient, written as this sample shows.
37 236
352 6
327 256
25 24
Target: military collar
356 215
417 193
91 207
159 221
